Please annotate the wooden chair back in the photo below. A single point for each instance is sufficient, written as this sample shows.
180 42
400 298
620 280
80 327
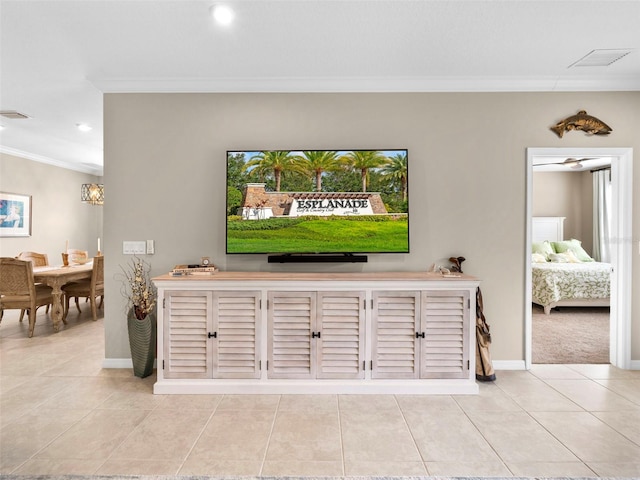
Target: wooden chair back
37 259
75 254
16 282
19 291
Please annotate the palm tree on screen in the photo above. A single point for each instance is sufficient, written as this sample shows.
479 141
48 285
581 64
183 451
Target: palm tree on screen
278 162
363 161
396 170
318 162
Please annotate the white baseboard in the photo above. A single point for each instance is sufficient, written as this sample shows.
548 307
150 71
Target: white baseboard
508 365
635 364
117 363
120 363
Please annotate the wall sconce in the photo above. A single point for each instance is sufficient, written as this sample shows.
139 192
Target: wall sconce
92 193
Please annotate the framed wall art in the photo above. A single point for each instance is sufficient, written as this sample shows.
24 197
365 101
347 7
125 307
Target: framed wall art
15 215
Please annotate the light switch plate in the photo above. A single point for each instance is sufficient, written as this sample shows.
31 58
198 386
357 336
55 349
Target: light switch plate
151 249
133 247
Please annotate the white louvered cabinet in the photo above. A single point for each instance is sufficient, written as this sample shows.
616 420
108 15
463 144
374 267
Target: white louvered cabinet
211 334
296 333
316 334
420 334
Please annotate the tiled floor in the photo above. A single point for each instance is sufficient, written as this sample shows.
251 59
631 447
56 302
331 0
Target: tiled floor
61 413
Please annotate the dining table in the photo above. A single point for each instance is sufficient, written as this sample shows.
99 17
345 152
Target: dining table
57 277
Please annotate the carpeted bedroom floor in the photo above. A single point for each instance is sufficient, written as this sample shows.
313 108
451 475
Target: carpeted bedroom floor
571 335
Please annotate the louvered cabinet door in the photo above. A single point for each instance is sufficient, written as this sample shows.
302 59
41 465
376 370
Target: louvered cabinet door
340 346
445 323
291 320
395 321
187 320
236 344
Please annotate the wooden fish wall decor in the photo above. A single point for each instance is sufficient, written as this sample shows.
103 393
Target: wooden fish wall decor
581 121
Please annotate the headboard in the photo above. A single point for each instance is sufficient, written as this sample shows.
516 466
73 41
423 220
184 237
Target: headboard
547 228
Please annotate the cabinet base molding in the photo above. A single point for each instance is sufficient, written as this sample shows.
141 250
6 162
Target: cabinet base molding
316 387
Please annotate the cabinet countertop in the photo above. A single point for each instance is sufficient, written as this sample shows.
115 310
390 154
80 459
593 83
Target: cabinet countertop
316 276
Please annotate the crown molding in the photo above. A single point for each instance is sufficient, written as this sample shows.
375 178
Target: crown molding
78 167
366 84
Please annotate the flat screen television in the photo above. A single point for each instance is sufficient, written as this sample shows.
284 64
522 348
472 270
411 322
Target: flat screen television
343 202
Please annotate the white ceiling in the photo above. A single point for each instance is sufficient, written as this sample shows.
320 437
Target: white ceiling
57 57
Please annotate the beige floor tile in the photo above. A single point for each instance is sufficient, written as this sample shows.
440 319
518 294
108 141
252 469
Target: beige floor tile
139 467
309 403
551 469
233 435
86 392
517 438
589 438
189 402
305 436
368 403
533 394
302 468
628 388
544 371
427 403
468 469
130 400
490 399
79 366
164 435
458 440
9 382
592 396
10 464
18 401
377 436
61 466
249 403
207 466
96 436
626 423
602 371
384 469
630 470
35 429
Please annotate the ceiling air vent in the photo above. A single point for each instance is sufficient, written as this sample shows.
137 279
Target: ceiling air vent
12 114
600 58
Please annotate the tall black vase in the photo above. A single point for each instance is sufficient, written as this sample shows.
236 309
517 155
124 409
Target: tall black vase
142 341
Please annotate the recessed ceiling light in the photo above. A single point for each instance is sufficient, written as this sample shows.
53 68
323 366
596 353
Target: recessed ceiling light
223 14
1 127
83 127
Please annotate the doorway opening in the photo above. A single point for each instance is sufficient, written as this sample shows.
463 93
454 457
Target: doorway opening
620 251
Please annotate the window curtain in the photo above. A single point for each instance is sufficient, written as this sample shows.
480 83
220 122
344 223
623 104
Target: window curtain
601 215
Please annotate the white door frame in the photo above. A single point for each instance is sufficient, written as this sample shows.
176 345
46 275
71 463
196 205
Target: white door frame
621 246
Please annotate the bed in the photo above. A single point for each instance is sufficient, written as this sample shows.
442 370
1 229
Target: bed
563 273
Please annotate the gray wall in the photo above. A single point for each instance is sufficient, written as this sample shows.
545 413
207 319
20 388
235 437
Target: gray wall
58 214
165 169
570 195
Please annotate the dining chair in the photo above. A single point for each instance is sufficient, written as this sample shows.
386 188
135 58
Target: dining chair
90 288
19 291
75 254
38 260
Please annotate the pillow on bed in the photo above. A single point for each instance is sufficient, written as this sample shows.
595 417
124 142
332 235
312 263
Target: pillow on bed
565 257
544 248
575 246
538 258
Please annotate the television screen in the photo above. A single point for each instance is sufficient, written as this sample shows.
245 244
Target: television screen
317 201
